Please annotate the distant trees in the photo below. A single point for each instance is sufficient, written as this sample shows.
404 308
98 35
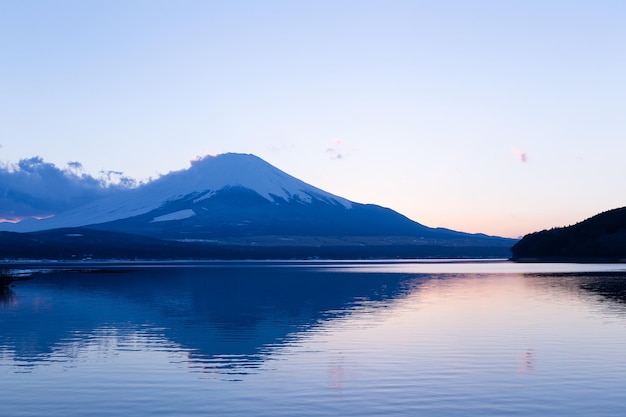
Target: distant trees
599 238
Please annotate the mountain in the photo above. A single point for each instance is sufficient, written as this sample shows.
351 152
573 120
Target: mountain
599 238
168 195
241 200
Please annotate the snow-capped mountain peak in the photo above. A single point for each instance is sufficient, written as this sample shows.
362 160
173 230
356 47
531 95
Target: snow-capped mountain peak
205 178
213 173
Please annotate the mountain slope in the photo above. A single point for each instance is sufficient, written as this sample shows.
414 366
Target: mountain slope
238 199
200 182
76 244
599 238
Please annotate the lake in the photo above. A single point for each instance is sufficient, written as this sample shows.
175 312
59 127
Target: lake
433 338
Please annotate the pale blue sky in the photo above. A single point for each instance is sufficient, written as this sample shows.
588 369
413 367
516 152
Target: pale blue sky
432 105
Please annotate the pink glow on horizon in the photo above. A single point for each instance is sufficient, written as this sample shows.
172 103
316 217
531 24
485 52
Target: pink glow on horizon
14 220
19 219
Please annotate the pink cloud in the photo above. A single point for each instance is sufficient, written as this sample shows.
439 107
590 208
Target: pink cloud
333 151
523 156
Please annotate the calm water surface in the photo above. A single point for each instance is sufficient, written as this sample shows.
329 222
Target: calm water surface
341 339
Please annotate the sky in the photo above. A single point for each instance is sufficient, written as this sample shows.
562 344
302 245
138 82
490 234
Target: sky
500 117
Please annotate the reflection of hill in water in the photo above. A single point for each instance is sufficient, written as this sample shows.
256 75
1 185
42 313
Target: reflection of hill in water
607 288
611 286
7 296
223 317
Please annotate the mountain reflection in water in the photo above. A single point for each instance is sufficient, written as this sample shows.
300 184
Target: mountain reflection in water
6 295
227 320
317 339
612 286
600 288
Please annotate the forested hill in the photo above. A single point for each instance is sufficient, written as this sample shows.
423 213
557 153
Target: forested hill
600 238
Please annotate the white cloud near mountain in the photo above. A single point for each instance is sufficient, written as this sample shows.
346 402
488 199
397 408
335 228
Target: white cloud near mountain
35 188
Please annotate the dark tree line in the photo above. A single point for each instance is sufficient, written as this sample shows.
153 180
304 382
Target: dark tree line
599 238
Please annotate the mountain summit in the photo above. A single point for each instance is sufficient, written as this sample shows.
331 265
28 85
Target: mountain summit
206 178
239 199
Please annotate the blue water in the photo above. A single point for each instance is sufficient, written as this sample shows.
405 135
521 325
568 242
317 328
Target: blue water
319 338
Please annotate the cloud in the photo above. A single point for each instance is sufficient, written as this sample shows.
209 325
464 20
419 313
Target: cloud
333 151
523 156
35 188
117 179
281 146
75 166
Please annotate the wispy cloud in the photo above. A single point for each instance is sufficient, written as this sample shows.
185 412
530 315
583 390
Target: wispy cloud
334 150
33 187
523 156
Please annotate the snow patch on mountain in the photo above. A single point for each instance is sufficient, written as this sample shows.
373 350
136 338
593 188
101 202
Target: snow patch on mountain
177 215
204 196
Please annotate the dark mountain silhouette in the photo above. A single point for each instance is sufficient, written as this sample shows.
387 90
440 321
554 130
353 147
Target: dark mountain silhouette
90 244
599 238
